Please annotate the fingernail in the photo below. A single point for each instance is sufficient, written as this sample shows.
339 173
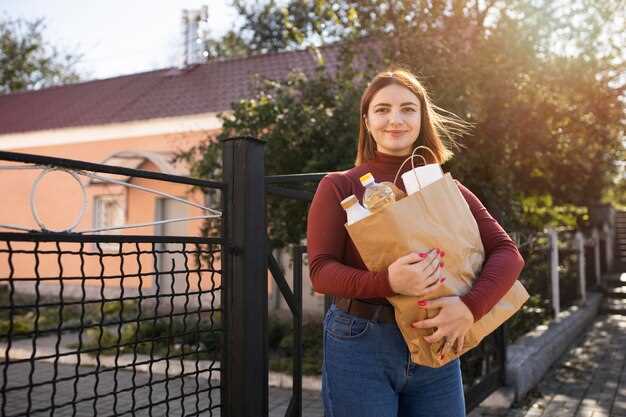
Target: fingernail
443 279
423 255
442 253
421 303
441 265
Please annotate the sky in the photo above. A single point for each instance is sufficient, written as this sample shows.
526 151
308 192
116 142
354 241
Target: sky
118 37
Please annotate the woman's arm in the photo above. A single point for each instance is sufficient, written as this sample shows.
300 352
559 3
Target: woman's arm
503 262
326 241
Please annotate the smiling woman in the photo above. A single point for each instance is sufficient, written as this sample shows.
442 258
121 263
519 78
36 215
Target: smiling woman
367 367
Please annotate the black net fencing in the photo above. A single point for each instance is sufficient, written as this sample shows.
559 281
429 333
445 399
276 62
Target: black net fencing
109 325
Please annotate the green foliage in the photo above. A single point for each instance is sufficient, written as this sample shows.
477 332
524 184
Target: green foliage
539 211
281 346
296 118
158 337
541 81
543 96
28 62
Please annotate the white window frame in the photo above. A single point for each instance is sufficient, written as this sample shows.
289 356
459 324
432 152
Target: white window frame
101 220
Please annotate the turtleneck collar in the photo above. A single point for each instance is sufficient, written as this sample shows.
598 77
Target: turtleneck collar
389 164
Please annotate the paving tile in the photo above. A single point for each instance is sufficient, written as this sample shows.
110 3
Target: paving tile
590 378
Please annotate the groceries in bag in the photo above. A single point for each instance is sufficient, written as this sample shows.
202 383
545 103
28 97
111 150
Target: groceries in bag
377 195
420 177
435 217
354 210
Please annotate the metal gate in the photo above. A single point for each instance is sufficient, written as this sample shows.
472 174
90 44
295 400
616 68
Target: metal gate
109 319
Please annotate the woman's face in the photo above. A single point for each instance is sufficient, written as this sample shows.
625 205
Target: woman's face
394 119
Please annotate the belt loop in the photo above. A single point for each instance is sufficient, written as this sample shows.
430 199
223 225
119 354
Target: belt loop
349 304
376 313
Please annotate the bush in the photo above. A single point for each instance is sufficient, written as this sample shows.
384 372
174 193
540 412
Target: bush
281 348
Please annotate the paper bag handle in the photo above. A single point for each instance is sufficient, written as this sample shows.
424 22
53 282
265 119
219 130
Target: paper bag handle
413 155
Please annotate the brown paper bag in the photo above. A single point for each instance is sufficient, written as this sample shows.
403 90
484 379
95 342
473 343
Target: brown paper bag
435 217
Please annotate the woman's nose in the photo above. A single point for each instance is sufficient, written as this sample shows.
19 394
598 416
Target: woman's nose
395 118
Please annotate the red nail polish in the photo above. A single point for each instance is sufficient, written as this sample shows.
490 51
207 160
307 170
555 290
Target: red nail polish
441 265
443 279
423 255
421 303
442 253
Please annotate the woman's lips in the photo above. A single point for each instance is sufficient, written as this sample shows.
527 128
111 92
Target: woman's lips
396 133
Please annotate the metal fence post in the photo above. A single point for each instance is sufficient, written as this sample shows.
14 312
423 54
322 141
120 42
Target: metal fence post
608 236
579 240
245 388
596 254
554 271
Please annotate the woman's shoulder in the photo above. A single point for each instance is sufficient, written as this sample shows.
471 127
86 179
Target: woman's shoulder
345 182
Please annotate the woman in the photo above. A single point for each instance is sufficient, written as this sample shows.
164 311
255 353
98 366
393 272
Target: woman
367 369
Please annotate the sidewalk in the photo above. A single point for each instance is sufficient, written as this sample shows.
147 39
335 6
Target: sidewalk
172 398
588 381
166 394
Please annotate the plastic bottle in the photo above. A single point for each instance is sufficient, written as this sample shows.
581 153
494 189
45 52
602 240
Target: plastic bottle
354 210
377 195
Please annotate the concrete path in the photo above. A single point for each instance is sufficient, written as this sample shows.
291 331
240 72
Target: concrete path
76 397
70 404
588 381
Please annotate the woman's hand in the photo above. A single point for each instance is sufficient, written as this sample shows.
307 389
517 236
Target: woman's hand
417 274
452 323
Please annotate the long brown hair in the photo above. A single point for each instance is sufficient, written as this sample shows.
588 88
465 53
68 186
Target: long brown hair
435 125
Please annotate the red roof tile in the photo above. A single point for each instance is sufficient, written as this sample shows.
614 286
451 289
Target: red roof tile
209 87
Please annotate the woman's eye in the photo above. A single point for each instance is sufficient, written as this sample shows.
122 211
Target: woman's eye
408 109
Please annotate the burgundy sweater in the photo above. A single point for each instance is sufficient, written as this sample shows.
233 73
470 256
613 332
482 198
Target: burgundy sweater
337 269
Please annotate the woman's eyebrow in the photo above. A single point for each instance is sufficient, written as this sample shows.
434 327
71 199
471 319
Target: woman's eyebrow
408 103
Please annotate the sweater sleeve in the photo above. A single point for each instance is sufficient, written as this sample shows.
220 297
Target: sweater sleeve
326 241
503 262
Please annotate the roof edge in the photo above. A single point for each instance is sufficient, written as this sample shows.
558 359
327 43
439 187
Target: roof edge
114 131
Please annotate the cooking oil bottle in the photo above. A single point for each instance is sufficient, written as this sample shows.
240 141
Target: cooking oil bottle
377 195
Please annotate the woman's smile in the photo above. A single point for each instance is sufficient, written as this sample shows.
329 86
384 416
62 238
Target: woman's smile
396 133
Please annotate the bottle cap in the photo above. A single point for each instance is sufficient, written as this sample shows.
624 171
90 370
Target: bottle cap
349 201
367 179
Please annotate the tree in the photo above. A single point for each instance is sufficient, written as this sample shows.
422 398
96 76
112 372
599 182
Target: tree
538 79
28 62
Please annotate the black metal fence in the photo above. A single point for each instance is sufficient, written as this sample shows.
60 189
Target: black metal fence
110 325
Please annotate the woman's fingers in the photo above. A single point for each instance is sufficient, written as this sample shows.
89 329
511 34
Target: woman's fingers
411 258
431 264
433 284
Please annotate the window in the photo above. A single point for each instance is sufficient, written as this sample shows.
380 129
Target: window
109 212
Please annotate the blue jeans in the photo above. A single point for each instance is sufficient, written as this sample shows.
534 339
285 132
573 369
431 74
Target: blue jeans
367 372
